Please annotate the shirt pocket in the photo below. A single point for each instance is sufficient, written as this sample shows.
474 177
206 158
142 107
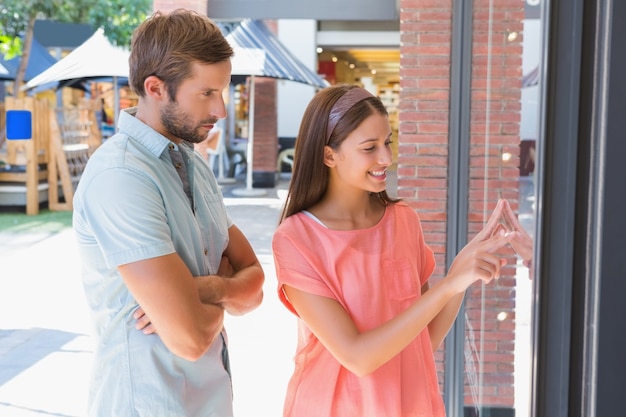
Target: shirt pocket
217 218
402 281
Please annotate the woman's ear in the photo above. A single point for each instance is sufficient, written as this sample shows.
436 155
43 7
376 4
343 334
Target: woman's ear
155 87
329 156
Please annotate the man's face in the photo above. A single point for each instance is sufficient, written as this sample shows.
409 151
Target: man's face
199 103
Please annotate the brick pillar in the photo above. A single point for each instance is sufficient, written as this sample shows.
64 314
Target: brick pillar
169 5
265 128
425 27
265 150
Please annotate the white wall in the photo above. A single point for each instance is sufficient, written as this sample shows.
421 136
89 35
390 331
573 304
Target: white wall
299 36
531 54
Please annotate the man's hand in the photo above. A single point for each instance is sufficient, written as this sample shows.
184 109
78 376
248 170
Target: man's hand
143 322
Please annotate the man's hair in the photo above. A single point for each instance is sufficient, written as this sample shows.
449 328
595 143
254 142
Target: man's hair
165 45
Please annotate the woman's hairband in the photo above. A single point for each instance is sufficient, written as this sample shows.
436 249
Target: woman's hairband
344 104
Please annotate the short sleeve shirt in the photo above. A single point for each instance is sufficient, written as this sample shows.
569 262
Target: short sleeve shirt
130 206
374 274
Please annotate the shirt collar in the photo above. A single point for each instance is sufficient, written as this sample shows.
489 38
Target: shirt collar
140 132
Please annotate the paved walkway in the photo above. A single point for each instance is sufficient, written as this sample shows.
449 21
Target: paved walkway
45 343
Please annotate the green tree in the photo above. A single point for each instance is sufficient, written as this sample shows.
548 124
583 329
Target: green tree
118 19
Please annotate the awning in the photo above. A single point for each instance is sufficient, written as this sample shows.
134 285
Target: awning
279 61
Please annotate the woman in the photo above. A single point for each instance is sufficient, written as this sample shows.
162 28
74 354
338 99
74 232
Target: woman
352 264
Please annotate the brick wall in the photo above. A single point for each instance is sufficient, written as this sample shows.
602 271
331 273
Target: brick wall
423 158
169 5
265 126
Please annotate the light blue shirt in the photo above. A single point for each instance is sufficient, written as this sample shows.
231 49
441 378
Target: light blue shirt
129 206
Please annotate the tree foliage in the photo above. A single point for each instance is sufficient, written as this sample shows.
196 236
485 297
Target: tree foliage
118 19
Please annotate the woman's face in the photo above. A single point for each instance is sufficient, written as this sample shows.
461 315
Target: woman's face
364 156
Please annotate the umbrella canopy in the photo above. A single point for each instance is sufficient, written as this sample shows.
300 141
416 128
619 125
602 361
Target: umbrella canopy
94 58
247 61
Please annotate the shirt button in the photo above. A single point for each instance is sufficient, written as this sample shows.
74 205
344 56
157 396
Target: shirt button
206 252
171 146
178 166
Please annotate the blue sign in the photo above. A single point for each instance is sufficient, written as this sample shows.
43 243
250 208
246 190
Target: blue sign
19 124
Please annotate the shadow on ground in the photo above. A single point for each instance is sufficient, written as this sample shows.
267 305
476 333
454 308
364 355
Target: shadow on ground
39 343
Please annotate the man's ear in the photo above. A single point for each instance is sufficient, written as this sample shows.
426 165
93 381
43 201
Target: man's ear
155 88
329 156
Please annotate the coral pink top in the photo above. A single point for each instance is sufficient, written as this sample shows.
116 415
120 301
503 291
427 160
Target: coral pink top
374 274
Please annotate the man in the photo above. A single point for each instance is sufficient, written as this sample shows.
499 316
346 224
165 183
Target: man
161 258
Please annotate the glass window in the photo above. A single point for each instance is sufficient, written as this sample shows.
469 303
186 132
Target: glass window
503 133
